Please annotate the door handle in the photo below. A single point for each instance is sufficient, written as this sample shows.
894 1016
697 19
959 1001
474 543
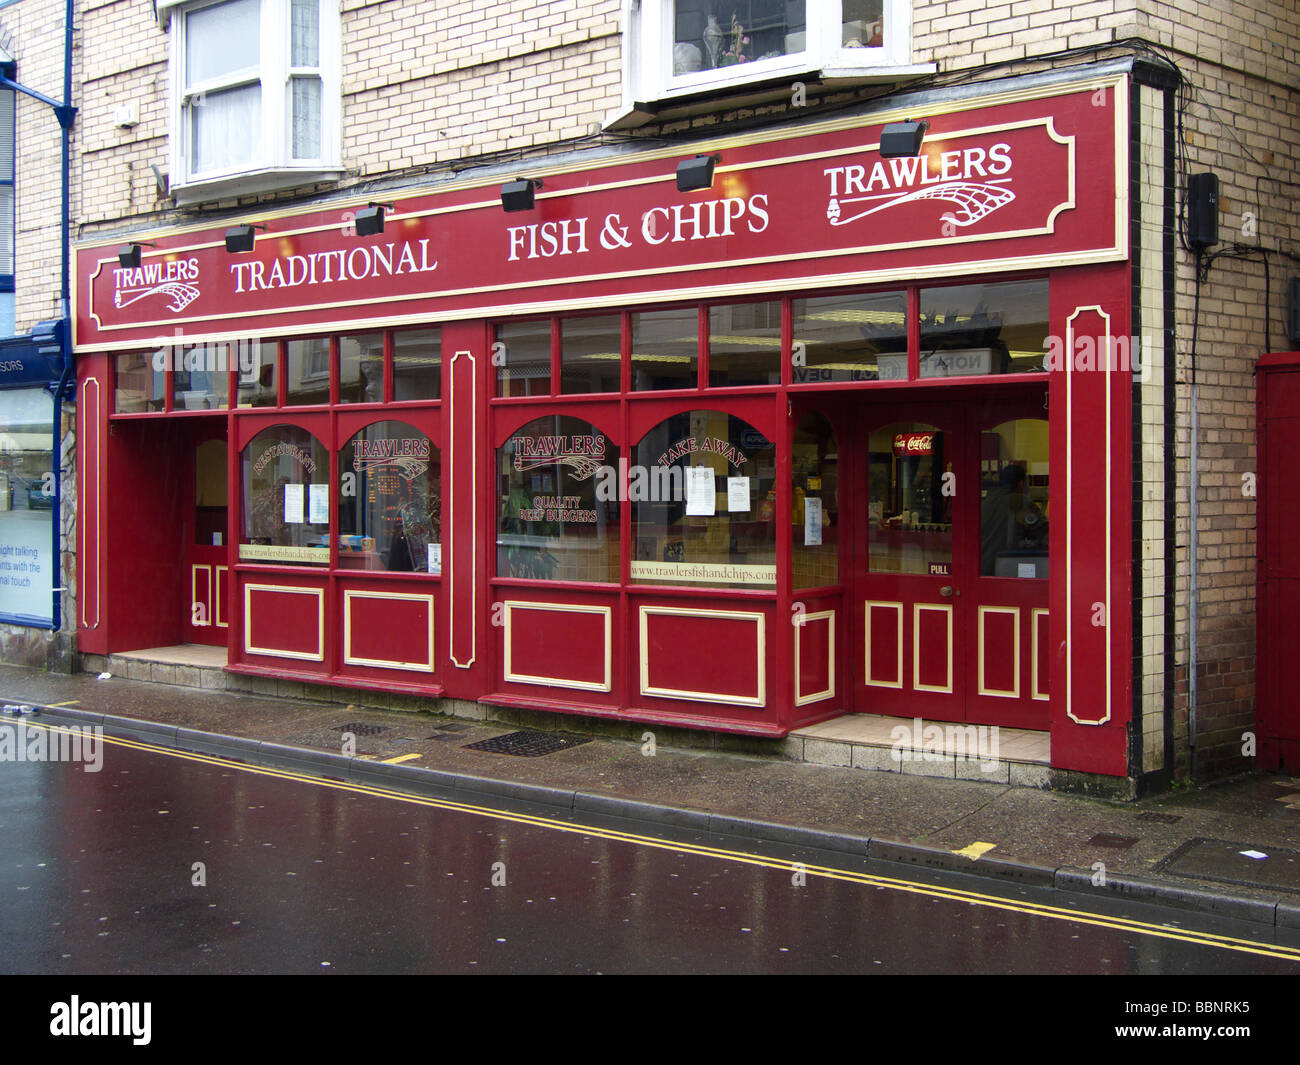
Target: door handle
946 591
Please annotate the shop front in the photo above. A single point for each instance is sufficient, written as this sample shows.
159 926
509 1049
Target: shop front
840 434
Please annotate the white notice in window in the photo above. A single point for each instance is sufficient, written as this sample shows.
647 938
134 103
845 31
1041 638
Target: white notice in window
435 558
318 504
701 495
738 494
293 504
812 522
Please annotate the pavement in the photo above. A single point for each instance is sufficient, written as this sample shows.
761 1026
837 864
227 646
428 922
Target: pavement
1182 849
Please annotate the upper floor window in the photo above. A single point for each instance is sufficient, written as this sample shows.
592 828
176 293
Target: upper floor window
679 47
256 95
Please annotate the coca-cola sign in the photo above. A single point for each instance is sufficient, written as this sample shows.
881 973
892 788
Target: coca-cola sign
914 443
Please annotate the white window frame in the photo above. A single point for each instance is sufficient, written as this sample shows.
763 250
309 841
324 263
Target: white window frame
648 54
274 167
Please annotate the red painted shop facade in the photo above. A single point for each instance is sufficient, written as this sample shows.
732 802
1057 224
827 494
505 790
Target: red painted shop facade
838 435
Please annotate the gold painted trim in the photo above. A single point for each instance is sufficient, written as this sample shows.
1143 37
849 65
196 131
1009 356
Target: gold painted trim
216 615
828 693
1034 692
512 605
93 408
1069 519
902 637
945 608
209 611
981 689
319 593
760 699
384 663
457 542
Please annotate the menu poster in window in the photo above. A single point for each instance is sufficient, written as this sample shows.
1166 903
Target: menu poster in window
738 494
701 494
318 504
293 504
812 521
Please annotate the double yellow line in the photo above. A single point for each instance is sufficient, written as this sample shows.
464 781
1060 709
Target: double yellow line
1034 909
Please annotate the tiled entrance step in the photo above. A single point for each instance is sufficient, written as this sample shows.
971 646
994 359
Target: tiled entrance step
926 748
191 665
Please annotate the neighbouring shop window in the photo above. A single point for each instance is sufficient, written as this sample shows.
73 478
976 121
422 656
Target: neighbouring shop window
308 371
27 559
200 377
1014 499
704 513
909 515
854 337
522 356
994 328
557 502
665 349
417 364
361 368
390 502
139 383
591 354
745 344
285 495
257 380
815 514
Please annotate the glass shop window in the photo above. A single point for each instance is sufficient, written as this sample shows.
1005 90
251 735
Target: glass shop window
992 328
703 494
286 503
745 344
307 371
591 354
909 517
258 360
665 349
361 368
200 377
1014 499
390 501
522 355
815 514
853 337
140 384
417 364
557 502
28 563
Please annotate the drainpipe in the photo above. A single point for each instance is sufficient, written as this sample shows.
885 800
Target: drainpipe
66 115
1193 544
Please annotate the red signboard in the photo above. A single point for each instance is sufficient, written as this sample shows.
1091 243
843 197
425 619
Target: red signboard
1002 183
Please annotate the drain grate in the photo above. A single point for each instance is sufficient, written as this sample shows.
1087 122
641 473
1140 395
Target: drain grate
1164 819
360 728
528 743
1119 843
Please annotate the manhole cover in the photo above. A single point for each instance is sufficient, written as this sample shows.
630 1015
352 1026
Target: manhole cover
360 728
1223 860
1119 843
528 743
1164 819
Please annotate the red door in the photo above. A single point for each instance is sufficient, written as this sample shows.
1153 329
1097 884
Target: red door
949 561
206 566
1279 561
907 564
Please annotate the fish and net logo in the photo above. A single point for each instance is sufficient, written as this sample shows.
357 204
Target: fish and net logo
172 280
973 181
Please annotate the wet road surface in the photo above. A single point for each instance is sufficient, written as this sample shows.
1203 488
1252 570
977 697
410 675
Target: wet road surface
166 863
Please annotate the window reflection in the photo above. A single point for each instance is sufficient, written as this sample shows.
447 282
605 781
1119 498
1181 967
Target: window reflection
1014 499
909 516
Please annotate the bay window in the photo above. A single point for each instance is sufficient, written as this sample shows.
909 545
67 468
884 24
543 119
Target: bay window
255 94
680 47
